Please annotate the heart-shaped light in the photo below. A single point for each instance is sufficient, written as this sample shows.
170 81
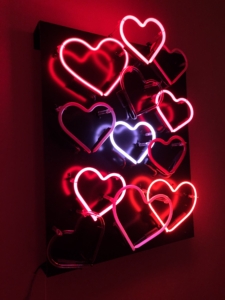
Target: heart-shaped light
186 214
123 152
158 101
89 47
162 64
82 200
61 110
169 142
132 48
151 235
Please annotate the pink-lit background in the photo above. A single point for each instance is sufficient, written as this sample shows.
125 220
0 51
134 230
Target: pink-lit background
189 269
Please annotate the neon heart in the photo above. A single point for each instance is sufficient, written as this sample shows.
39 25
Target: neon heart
61 110
158 101
147 84
82 200
151 235
160 66
119 149
132 48
178 162
81 79
194 197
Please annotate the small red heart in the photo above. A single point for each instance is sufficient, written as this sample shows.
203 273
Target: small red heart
181 213
156 46
174 61
89 63
163 170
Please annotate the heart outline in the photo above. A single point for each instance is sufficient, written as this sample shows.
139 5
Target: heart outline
81 199
160 167
142 123
82 80
157 101
154 234
61 110
173 190
132 48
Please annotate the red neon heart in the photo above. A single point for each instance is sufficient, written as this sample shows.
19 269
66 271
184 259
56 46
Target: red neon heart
83 202
159 100
61 110
155 48
169 142
83 61
162 64
183 216
154 233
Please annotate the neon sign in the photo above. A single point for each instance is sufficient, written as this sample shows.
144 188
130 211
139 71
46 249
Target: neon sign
156 48
150 235
61 110
181 143
158 101
103 178
176 223
89 47
123 152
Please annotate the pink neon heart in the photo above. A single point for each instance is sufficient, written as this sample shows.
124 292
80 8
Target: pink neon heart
90 48
103 178
160 65
183 216
154 233
158 101
137 53
61 110
169 142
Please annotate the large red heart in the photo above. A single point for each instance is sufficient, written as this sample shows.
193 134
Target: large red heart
84 203
155 47
150 235
110 110
180 101
174 60
185 214
163 170
85 64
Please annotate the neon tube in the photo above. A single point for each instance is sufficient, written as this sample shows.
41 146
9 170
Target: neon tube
154 234
177 164
132 48
174 191
132 128
168 79
82 200
181 100
61 110
79 78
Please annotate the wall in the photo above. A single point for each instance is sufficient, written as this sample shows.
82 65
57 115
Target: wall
190 269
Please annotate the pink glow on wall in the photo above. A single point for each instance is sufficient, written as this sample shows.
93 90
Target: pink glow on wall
122 151
78 77
169 142
150 235
61 110
173 190
103 178
140 24
159 100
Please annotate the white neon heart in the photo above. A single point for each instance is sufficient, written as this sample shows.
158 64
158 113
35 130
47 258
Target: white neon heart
82 200
132 48
61 110
181 100
154 233
81 79
119 149
173 191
